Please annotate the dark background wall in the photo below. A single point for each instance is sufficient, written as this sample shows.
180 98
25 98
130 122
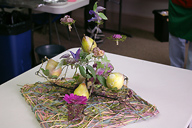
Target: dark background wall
142 8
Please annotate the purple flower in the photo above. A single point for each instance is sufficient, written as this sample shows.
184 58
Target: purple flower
117 36
74 99
108 67
100 71
66 19
100 8
76 55
97 15
96 18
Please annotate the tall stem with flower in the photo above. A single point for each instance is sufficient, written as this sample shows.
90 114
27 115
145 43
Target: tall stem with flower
98 17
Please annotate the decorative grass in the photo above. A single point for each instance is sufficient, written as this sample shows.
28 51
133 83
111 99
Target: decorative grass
104 108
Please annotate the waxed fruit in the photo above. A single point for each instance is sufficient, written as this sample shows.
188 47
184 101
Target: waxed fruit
88 44
51 65
56 72
81 90
115 80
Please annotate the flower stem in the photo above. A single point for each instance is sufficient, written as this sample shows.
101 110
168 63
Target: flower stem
69 27
95 35
77 33
117 42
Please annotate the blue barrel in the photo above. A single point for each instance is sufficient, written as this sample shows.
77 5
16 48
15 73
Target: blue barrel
15 49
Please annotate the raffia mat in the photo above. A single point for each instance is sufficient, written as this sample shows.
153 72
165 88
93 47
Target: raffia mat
51 111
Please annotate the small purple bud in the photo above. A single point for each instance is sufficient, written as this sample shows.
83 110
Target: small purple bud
100 8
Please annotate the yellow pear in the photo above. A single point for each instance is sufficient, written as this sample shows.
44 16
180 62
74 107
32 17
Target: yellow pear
82 90
51 65
88 44
115 80
56 72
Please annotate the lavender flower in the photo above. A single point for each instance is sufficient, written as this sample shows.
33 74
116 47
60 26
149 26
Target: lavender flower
76 55
97 13
96 18
74 99
69 60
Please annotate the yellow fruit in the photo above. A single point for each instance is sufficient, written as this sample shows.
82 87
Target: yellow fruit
88 44
81 90
51 65
115 80
56 72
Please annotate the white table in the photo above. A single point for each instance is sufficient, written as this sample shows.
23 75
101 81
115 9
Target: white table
60 9
166 87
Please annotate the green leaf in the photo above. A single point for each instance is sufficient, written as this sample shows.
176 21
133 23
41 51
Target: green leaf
83 54
88 57
60 64
95 7
105 59
65 61
115 89
90 68
100 65
102 16
102 80
83 72
76 76
53 77
107 68
45 72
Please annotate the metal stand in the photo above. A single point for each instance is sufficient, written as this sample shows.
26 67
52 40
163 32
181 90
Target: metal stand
120 13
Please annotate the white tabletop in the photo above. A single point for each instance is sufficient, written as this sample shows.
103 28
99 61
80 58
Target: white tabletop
62 9
166 87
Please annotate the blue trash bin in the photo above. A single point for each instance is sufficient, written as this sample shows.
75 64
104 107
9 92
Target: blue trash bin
15 48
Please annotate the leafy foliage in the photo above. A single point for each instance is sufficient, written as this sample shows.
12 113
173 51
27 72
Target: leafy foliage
102 80
46 72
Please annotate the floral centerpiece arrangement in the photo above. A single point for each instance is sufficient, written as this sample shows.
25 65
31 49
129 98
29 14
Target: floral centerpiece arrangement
94 96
